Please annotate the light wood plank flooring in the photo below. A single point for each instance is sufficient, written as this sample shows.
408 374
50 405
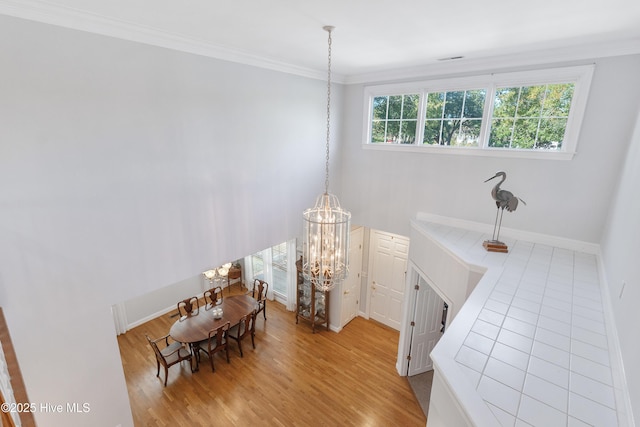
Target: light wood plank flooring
292 378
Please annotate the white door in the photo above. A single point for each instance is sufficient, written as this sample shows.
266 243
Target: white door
351 286
427 324
388 266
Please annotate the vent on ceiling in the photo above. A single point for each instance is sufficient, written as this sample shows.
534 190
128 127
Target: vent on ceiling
450 58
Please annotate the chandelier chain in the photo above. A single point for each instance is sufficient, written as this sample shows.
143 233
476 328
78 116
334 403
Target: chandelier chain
326 180
325 255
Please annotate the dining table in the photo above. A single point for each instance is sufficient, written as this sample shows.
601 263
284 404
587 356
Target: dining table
195 327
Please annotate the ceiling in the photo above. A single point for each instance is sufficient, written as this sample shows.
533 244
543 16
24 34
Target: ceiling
372 37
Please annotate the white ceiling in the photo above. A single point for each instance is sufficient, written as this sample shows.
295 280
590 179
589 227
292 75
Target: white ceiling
371 36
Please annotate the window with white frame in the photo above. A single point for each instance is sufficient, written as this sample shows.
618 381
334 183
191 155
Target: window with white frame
280 267
533 114
394 118
271 265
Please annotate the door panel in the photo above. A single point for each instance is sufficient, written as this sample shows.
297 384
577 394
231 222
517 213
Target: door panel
387 280
351 286
426 330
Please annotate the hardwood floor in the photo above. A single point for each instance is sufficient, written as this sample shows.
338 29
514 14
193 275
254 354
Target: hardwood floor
292 378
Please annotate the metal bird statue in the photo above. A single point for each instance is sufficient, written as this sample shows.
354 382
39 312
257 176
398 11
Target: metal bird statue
504 200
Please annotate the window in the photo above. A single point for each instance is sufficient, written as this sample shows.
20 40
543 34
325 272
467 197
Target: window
454 118
524 114
531 117
280 266
257 266
276 266
394 118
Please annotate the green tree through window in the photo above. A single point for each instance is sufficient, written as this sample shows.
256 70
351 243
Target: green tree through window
531 117
532 113
395 118
454 118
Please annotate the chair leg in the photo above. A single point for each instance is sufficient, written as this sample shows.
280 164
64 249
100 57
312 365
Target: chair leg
213 369
166 375
264 310
253 343
240 347
227 351
157 366
193 368
195 355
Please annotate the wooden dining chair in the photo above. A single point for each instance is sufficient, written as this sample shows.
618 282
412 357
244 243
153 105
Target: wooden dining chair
212 296
247 326
169 355
188 306
259 292
216 342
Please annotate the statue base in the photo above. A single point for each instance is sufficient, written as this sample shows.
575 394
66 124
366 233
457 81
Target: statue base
495 246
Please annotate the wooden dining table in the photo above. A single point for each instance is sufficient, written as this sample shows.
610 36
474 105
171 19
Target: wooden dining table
195 327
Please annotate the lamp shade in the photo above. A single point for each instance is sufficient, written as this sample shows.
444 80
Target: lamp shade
325 252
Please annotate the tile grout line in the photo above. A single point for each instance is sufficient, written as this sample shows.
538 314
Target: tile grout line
573 276
534 335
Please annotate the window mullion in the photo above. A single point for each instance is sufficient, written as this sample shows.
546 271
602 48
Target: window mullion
386 121
464 100
487 116
400 135
421 119
444 105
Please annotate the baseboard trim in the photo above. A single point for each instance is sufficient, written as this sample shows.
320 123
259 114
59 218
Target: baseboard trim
620 386
156 315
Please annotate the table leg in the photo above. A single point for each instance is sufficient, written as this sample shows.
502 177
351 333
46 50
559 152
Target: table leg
195 357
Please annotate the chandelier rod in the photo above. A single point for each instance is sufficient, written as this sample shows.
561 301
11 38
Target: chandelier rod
328 29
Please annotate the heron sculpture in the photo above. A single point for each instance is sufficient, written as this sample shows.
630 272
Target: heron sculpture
504 200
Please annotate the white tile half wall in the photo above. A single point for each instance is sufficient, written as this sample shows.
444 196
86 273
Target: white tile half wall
532 343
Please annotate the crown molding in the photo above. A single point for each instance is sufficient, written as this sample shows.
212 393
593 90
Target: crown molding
558 55
41 11
45 12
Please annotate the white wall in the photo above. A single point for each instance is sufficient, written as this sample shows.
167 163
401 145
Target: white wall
620 253
125 168
568 199
143 308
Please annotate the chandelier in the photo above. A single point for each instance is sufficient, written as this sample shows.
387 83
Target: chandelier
216 274
325 249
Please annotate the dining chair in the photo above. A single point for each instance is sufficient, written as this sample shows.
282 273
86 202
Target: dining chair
259 292
247 326
188 306
169 355
212 296
216 342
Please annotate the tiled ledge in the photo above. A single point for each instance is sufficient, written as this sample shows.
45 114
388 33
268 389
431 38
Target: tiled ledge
531 341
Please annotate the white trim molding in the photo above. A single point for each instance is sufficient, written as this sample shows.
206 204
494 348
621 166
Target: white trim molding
67 17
